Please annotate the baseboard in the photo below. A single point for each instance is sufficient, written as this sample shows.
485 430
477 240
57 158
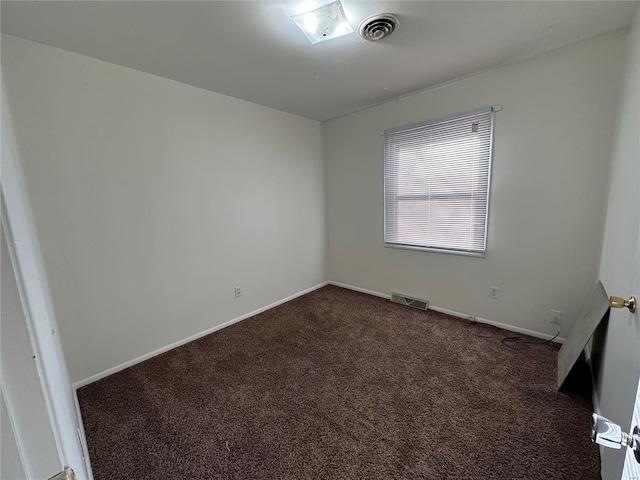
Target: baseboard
453 313
142 358
361 290
504 326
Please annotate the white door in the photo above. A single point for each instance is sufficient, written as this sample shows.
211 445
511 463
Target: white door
30 451
620 263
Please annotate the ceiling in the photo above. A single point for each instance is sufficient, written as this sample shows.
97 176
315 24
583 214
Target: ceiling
253 51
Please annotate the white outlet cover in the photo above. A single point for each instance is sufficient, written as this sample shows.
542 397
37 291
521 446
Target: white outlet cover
493 292
555 316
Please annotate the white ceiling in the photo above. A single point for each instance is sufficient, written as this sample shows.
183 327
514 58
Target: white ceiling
253 51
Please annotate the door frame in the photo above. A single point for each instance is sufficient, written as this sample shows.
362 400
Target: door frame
40 318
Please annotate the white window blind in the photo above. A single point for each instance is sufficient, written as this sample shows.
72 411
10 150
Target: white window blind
436 184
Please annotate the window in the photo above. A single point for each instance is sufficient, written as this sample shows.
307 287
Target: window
436 184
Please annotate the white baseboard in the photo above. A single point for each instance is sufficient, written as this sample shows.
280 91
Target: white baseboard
361 290
504 326
142 358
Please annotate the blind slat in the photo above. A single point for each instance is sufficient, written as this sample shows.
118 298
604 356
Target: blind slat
436 179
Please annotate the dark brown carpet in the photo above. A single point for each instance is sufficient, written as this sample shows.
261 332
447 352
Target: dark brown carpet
339 384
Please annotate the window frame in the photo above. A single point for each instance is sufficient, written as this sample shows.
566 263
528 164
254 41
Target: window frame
448 251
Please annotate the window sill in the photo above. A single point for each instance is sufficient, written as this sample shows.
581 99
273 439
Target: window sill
435 250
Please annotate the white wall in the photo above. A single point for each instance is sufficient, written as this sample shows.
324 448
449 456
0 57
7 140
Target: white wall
620 263
152 199
551 156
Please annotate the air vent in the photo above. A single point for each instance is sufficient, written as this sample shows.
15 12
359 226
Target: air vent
418 303
378 26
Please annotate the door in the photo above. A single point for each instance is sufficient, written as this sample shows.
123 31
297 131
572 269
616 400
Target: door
31 450
620 263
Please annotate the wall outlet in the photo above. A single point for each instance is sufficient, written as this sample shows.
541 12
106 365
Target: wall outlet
493 292
555 316
238 290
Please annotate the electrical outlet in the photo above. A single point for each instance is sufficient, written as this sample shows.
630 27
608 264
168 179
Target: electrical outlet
238 290
493 293
555 316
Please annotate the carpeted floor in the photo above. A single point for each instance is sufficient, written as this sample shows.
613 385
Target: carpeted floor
341 385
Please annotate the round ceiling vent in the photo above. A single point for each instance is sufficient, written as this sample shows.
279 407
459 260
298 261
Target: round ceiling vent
378 26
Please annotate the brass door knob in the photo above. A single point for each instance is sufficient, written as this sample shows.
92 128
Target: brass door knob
618 302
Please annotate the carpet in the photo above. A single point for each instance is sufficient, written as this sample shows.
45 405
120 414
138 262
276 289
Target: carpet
338 384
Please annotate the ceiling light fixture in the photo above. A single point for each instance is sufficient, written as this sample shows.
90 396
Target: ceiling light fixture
323 23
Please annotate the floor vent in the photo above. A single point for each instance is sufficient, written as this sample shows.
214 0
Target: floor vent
418 303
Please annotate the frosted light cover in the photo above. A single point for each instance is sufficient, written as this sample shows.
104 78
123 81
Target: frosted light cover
323 23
